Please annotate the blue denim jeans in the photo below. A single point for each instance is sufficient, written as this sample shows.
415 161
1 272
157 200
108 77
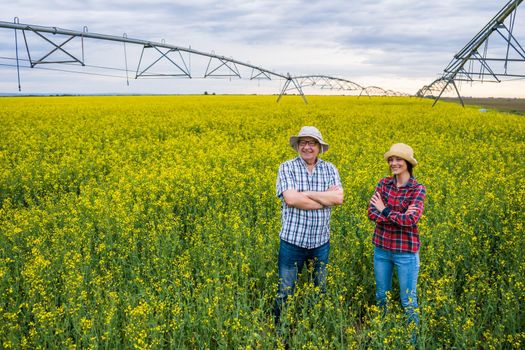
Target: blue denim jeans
291 262
407 266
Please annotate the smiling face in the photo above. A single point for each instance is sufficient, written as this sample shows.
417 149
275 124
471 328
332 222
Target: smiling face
308 149
398 166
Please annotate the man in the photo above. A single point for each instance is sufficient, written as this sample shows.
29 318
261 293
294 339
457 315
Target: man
308 187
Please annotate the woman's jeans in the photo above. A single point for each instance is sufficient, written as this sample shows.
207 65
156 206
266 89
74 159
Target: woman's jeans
407 265
291 262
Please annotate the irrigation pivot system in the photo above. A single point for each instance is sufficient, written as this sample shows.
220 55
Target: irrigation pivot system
492 64
325 82
157 60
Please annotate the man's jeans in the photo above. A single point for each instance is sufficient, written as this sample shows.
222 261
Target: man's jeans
291 262
407 265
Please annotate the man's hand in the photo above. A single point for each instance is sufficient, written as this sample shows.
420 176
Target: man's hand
332 196
300 200
333 188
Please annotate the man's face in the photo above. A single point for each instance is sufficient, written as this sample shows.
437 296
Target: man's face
308 148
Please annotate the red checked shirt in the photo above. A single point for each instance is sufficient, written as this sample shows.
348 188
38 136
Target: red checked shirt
395 230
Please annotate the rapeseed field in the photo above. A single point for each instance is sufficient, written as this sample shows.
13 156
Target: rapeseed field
152 222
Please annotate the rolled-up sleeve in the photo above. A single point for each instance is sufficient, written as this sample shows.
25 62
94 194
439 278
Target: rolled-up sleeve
285 180
336 178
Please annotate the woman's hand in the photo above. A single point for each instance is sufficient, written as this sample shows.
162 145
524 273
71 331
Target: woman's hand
377 202
412 209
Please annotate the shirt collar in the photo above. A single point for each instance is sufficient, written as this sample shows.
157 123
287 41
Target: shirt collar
410 183
318 163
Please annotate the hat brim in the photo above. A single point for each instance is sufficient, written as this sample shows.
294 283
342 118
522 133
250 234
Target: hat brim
294 140
406 157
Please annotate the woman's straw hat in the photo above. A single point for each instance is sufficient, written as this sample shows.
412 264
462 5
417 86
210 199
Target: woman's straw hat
402 151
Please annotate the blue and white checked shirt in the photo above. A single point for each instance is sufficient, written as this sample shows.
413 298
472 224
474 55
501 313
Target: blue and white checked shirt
305 228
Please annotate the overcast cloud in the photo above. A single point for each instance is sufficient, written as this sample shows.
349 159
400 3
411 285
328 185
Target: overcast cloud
396 44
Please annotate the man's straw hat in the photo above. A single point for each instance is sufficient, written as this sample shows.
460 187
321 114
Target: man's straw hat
309 131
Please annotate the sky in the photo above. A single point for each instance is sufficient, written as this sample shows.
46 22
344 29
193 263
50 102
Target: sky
398 45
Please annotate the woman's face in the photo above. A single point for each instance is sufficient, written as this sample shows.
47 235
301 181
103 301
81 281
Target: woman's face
397 165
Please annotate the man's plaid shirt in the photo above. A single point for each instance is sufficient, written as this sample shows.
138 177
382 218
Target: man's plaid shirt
305 228
395 230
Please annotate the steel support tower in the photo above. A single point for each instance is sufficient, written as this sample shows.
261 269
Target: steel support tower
471 65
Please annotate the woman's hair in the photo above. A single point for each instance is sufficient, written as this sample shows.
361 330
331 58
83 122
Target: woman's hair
410 168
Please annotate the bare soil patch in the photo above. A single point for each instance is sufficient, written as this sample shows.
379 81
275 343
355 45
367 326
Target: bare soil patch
511 105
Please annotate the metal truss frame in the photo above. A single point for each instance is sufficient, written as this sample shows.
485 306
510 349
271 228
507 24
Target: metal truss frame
163 55
465 64
436 87
379 91
218 66
57 48
325 82
223 69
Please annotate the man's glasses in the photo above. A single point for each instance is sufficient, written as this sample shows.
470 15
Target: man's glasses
303 143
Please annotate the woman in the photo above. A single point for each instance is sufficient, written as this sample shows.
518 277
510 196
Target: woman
396 206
